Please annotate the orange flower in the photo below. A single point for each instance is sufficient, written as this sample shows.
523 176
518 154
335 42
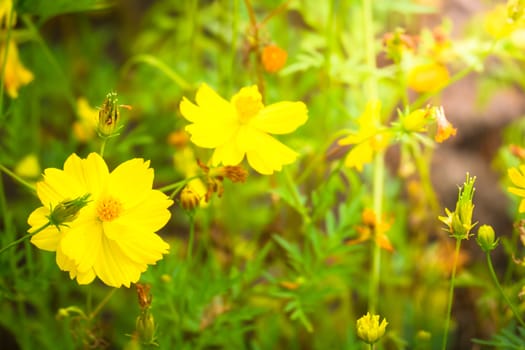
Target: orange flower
273 58
445 129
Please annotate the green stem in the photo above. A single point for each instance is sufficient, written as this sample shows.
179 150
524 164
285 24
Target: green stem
451 295
500 289
156 63
103 147
102 303
12 244
47 52
17 178
177 186
379 164
192 236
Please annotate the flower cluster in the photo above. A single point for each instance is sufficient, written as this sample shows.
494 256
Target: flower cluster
111 235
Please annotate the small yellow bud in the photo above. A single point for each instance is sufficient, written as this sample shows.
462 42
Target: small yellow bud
486 238
369 329
417 121
189 199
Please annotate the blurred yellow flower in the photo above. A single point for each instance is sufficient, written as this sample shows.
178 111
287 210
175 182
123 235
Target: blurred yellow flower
6 10
28 166
517 177
428 77
84 128
113 237
15 75
368 140
242 127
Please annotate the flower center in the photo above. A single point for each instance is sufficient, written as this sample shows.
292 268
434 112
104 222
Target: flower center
108 209
248 103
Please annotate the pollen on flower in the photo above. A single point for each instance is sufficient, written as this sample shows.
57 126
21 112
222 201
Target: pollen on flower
109 209
248 103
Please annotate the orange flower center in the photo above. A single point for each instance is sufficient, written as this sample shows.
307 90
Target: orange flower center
248 103
109 209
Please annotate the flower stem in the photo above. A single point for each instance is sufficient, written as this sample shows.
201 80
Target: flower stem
177 186
500 289
256 47
192 236
102 303
451 295
17 178
379 165
103 147
12 244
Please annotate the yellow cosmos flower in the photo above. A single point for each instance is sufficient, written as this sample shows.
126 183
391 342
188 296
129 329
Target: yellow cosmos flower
113 237
517 177
368 140
242 126
15 75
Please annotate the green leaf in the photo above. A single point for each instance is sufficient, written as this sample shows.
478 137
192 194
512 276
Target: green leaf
48 9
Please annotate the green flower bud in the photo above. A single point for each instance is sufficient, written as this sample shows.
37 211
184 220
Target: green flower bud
369 329
108 116
67 211
459 222
145 327
486 238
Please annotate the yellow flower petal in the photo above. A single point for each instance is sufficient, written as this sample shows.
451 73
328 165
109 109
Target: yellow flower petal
281 118
81 242
92 172
211 134
48 238
517 177
131 190
264 153
228 153
517 191
114 267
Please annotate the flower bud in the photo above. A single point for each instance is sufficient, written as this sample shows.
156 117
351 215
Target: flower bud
273 58
145 327
417 120
108 116
189 199
486 238
369 329
67 211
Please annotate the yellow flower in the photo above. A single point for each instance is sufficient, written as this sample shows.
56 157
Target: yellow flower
84 128
428 77
368 140
113 237
15 75
28 166
369 329
517 177
242 127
